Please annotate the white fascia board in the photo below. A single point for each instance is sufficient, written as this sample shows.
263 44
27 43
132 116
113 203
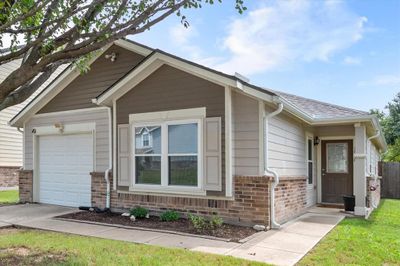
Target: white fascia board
133 47
197 71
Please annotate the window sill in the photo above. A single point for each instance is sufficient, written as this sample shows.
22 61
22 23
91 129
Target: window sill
169 190
168 194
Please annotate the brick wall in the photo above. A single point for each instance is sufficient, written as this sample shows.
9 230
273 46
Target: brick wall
290 198
8 176
25 185
250 205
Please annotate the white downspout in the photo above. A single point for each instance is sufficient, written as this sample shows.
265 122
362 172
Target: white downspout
378 133
20 130
267 170
106 174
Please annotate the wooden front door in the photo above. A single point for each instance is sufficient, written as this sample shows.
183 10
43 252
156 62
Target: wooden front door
337 170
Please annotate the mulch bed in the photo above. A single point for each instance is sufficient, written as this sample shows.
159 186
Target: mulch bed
226 231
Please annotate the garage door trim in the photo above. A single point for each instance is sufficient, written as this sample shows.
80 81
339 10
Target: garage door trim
58 129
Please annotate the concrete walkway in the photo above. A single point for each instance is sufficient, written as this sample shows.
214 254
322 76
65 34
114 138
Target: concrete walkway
280 247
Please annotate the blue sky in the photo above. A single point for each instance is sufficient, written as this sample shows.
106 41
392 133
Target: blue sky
342 52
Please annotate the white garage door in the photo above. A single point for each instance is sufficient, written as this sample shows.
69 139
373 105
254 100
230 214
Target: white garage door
65 163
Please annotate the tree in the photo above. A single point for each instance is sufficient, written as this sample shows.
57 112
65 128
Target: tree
391 127
48 33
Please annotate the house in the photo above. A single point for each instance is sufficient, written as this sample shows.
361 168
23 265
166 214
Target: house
10 137
155 130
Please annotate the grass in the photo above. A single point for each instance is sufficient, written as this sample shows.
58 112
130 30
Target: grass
79 250
362 242
9 196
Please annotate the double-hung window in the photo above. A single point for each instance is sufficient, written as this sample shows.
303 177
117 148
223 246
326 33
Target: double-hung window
310 161
172 160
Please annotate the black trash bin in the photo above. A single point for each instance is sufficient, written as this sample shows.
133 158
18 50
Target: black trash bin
349 202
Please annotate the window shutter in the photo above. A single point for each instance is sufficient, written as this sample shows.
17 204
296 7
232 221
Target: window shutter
212 154
123 155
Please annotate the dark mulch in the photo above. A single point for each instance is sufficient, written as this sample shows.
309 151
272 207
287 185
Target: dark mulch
227 231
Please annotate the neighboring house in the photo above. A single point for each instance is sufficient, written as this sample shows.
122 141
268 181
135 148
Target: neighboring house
171 134
11 150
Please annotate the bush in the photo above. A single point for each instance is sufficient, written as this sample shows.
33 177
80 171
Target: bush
169 216
201 224
139 212
216 222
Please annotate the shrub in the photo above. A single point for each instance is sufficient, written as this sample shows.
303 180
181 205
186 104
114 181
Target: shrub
139 212
198 222
216 222
169 216
201 224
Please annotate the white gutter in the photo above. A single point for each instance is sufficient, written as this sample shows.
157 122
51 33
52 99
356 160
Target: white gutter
267 170
106 174
20 130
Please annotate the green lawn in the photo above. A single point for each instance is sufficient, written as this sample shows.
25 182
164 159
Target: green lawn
362 242
31 247
9 196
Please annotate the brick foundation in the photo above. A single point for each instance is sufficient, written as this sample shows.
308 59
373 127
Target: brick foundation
8 176
250 205
25 178
290 198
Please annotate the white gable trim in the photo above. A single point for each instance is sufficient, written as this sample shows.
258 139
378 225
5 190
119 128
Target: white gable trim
64 80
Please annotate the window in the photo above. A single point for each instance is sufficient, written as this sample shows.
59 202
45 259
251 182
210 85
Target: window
310 163
148 158
145 140
182 154
169 156
336 154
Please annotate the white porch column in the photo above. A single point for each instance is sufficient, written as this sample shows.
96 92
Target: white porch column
359 175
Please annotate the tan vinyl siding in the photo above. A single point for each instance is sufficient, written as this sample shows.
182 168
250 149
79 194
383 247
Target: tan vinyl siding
245 135
99 116
286 146
172 89
102 74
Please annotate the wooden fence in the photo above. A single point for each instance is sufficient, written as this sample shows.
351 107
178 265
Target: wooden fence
390 180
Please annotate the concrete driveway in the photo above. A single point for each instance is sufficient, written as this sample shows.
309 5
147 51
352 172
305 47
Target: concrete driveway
280 247
26 213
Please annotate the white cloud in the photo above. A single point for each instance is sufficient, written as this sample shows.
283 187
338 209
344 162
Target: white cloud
349 60
182 37
387 80
284 32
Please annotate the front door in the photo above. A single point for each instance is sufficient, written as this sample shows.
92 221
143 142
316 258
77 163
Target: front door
337 170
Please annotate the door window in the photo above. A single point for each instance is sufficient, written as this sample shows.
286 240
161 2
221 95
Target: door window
337 157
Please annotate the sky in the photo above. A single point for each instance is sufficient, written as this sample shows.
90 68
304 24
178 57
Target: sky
341 52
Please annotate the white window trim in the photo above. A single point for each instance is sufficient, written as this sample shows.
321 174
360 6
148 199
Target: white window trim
164 119
310 136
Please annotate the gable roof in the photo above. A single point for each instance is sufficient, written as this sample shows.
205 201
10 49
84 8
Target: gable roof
64 78
311 111
318 109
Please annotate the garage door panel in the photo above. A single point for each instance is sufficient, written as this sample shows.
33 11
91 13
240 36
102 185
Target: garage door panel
65 163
